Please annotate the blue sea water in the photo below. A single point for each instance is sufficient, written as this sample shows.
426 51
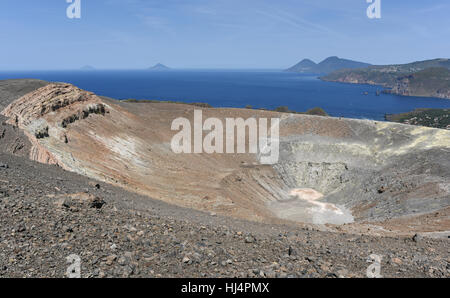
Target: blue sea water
226 88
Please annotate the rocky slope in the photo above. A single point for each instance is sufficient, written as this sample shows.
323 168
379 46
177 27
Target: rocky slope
48 214
425 78
30 114
13 140
431 82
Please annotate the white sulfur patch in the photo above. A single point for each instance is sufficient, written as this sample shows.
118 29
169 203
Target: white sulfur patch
304 206
311 196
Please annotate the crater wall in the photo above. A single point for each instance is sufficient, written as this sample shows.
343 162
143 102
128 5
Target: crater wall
331 170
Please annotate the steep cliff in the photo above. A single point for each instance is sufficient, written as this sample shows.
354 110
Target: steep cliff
425 78
431 82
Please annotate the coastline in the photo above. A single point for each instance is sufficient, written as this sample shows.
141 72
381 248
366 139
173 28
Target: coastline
386 88
267 90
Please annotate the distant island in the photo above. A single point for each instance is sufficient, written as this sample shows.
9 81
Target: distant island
429 78
159 67
327 66
87 67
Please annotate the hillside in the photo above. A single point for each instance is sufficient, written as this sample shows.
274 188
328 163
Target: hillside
328 65
305 66
424 78
431 82
438 118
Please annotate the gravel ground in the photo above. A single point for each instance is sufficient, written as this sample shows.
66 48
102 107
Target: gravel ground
11 90
47 214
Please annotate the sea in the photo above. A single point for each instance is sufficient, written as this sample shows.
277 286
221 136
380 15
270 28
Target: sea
266 89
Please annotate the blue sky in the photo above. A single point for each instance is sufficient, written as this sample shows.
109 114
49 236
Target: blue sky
218 33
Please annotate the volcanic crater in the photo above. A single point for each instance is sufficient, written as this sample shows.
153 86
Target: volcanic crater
339 173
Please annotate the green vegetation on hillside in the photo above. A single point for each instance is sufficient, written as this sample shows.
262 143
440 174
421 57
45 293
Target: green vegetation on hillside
437 118
197 104
282 109
385 74
314 111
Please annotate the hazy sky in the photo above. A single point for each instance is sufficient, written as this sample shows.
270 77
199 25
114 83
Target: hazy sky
218 33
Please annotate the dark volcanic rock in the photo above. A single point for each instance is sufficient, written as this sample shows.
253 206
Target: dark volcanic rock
97 203
135 236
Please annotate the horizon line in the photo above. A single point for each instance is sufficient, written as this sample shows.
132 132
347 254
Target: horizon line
92 68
